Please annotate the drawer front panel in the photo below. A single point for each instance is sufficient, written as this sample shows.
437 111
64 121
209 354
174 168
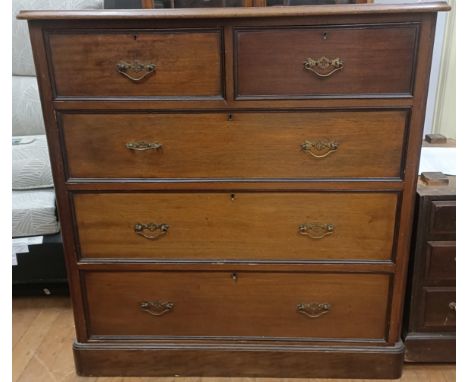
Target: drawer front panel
237 304
326 61
442 218
242 226
440 257
439 308
242 145
130 63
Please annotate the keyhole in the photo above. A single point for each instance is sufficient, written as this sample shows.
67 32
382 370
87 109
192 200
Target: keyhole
234 276
229 117
233 196
135 37
324 35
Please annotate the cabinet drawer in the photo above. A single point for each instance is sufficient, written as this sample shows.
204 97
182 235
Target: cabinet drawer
439 308
341 61
440 261
267 304
241 226
128 63
442 218
241 145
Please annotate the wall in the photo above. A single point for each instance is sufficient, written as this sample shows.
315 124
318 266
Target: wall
445 110
440 110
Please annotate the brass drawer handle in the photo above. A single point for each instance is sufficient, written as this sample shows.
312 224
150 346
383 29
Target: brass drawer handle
157 308
143 146
316 230
320 148
453 306
314 309
126 68
324 66
152 227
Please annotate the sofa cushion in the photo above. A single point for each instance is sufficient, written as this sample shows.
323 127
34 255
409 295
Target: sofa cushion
34 213
31 164
22 54
26 107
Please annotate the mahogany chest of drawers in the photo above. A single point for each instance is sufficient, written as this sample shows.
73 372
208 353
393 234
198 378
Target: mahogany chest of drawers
236 186
430 315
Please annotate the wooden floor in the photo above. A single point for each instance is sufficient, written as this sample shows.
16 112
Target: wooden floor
43 332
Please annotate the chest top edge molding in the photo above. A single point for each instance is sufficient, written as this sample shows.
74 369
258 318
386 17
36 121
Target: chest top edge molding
208 13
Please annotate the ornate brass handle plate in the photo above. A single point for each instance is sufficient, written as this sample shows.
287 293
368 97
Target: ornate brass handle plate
135 71
143 146
160 229
320 148
314 309
157 308
316 230
453 306
324 66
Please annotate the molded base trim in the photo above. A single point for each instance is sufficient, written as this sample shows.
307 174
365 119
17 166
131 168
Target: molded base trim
238 360
430 347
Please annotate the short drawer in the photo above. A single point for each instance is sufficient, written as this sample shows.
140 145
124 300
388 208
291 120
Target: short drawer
236 226
239 145
129 63
440 261
442 218
230 304
439 308
307 62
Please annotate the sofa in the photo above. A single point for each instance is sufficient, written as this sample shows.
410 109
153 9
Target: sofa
40 267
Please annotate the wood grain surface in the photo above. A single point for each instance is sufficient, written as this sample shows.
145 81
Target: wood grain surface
442 223
238 304
441 262
322 10
270 62
43 332
365 229
436 309
430 314
220 226
236 145
188 63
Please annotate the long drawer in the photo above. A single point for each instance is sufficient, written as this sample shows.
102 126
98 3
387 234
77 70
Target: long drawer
439 312
353 144
241 226
256 304
442 220
326 61
440 262
130 63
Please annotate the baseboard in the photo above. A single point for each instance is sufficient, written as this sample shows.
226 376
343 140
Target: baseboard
238 360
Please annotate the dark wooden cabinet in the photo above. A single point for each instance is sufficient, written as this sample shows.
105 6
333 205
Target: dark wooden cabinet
236 186
431 301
